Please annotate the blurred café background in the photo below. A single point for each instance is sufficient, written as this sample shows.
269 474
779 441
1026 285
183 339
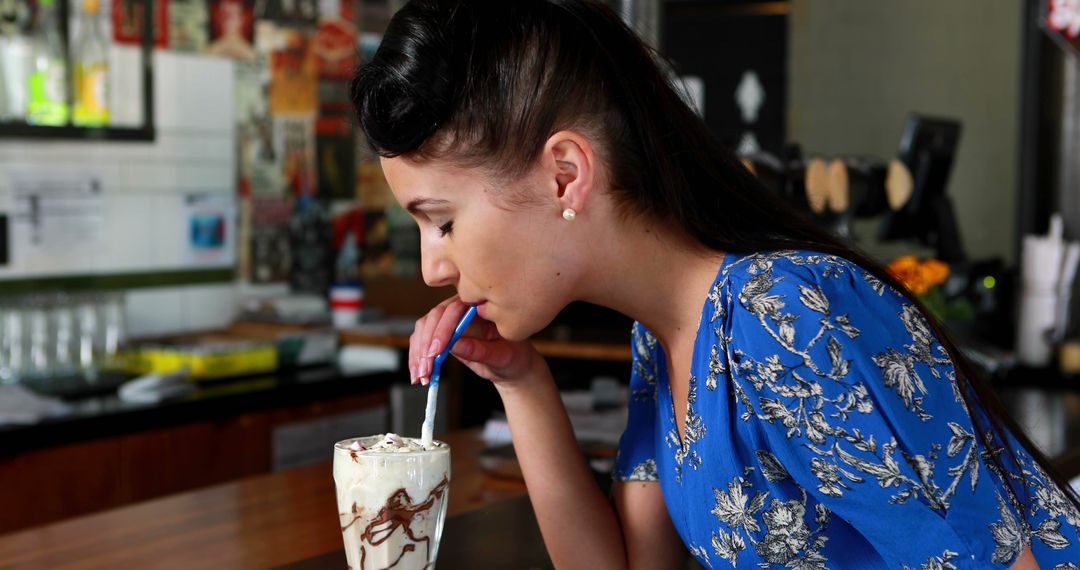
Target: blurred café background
204 277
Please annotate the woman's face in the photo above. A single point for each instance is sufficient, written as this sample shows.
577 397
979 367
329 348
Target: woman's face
517 262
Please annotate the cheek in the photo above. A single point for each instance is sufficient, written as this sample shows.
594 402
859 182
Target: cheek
500 254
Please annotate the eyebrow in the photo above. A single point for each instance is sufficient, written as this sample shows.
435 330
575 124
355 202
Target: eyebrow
420 203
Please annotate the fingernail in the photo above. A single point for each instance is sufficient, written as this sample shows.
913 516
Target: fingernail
412 374
434 349
423 380
463 348
423 368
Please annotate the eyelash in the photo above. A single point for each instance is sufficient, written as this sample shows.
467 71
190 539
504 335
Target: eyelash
446 228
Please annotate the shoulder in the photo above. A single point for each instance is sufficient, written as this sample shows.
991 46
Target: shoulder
798 267
765 282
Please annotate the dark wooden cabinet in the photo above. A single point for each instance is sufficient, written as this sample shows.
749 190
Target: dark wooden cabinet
46 485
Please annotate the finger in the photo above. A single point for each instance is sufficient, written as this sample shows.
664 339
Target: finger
414 351
418 347
495 354
444 330
432 324
418 341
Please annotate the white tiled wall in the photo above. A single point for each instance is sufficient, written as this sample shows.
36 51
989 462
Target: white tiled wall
145 186
145 183
166 310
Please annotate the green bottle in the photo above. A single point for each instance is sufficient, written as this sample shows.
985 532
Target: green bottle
47 103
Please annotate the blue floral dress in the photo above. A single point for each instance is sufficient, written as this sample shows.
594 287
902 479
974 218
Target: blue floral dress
824 429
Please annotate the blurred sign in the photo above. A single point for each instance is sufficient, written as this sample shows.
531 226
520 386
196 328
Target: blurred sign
57 214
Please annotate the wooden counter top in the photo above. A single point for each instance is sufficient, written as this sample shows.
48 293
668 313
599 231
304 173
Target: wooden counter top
260 522
575 349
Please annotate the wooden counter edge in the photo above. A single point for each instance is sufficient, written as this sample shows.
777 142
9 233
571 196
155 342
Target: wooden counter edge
257 522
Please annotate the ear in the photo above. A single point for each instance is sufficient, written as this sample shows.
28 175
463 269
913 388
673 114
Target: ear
570 165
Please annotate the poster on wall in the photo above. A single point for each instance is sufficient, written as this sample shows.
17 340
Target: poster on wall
292 13
294 143
372 190
232 28
56 215
188 25
293 73
334 145
128 17
336 41
260 172
270 251
210 222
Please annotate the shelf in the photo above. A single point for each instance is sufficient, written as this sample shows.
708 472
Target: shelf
24 131
20 130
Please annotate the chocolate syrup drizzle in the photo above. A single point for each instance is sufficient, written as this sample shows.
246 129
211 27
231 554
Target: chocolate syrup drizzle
398 511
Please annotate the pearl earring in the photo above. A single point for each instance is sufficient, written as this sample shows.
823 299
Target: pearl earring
569 214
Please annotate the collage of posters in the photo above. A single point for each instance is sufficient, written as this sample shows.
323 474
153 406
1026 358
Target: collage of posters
296 133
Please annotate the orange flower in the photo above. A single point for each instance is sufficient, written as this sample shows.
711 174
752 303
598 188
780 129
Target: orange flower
918 276
906 270
904 262
935 271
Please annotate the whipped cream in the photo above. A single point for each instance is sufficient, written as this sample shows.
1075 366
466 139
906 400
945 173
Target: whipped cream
393 443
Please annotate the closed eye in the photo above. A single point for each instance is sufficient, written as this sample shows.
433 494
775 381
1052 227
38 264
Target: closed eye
446 228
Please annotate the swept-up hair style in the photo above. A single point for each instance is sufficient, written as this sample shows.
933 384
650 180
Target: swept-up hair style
485 83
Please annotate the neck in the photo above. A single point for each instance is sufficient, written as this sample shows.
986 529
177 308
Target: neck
655 275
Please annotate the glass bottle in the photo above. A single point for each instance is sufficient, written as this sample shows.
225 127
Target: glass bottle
91 69
14 56
47 99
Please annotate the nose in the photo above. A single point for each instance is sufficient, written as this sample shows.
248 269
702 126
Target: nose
437 267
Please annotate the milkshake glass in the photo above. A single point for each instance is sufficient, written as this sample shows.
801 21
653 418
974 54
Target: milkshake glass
391 495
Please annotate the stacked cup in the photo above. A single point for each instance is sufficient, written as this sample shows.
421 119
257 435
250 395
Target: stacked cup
1048 267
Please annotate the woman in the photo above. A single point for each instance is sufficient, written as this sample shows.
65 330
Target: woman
791 405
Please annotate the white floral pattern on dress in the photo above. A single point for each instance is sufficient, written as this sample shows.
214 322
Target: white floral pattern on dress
829 406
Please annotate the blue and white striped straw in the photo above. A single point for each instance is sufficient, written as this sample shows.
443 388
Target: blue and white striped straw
427 430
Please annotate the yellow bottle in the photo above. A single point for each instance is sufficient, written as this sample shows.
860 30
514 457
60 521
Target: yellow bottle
91 69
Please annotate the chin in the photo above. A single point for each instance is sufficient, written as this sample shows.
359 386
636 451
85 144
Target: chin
519 330
512 332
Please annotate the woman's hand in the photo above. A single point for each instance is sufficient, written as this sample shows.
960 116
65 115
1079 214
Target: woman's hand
480 348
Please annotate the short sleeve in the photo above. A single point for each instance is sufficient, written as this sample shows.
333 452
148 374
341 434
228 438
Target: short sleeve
849 397
636 459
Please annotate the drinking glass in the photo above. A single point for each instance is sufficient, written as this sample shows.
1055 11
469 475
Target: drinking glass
391 504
